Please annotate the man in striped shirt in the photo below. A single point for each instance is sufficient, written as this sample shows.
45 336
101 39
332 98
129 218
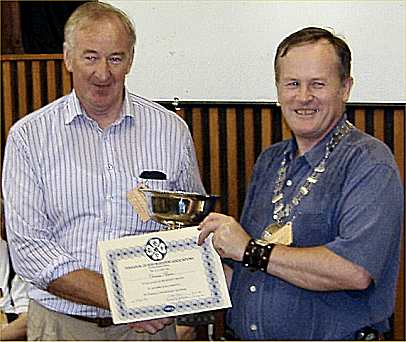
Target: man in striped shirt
67 170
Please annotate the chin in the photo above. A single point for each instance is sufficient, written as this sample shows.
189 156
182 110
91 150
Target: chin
304 125
104 97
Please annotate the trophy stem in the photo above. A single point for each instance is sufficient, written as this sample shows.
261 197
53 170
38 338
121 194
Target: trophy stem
171 225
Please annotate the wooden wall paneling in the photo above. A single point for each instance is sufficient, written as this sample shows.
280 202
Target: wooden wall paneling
399 315
197 133
214 143
399 140
399 152
36 85
249 145
379 130
51 81
359 119
286 133
232 167
22 89
7 107
181 113
66 80
11 34
7 100
266 128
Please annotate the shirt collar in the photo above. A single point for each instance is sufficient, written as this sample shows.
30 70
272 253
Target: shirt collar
75 109
314 156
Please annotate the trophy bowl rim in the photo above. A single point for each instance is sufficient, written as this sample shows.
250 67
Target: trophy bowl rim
179 194
192 212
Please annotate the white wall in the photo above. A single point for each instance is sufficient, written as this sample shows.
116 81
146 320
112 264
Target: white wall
224 50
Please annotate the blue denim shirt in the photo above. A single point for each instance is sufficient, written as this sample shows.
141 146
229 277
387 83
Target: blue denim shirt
355 210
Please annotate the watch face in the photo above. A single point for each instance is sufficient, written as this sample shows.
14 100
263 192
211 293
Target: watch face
261 242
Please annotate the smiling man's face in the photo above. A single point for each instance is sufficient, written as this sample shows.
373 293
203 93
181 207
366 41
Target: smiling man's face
311 93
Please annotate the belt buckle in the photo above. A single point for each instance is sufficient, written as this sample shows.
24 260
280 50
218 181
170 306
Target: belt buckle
104 322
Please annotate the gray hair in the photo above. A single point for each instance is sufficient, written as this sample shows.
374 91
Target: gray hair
92 11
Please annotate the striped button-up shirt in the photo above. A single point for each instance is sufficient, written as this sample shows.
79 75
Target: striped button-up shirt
65 185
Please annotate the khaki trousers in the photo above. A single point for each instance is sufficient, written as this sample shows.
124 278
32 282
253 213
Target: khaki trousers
47 325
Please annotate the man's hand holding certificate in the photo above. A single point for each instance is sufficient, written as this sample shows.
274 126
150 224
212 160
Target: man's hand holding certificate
162 274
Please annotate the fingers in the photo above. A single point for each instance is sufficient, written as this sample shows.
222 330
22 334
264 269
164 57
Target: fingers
204 234
229 237
213 218
210 224
151 326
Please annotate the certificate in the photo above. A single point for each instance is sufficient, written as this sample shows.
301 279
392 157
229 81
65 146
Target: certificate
162 274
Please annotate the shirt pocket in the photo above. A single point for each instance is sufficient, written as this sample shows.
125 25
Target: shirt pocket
151 179
157 184
311 228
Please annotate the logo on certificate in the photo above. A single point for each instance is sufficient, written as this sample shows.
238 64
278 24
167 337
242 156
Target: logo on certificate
155 249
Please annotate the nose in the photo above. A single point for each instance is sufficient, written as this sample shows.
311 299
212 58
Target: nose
305 94
102 71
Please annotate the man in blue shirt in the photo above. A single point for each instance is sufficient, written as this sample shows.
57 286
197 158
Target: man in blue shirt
316 254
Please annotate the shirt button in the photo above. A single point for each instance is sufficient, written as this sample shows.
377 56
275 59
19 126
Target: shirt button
253 327
110 166
289 182
253 288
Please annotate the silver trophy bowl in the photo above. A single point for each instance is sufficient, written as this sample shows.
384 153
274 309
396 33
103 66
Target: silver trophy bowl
177 209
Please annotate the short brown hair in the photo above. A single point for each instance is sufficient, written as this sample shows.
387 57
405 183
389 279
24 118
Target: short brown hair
313 35
92 11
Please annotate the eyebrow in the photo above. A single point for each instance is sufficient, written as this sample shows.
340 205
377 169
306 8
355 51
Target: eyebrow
89 51
118 53
96 52
291 78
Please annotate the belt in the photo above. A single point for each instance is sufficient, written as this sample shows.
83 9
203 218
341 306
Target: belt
102 322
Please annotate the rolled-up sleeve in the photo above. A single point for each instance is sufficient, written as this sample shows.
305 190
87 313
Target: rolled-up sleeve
35 254
371 209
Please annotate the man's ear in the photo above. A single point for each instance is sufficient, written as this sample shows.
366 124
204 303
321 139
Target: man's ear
131 61
67 57
347 85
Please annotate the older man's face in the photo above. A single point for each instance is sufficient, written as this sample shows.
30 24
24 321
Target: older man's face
99 60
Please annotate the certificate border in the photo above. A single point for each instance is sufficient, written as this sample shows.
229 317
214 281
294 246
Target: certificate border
214 301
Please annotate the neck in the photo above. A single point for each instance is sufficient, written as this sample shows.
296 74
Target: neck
105 120
104 117
305 145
